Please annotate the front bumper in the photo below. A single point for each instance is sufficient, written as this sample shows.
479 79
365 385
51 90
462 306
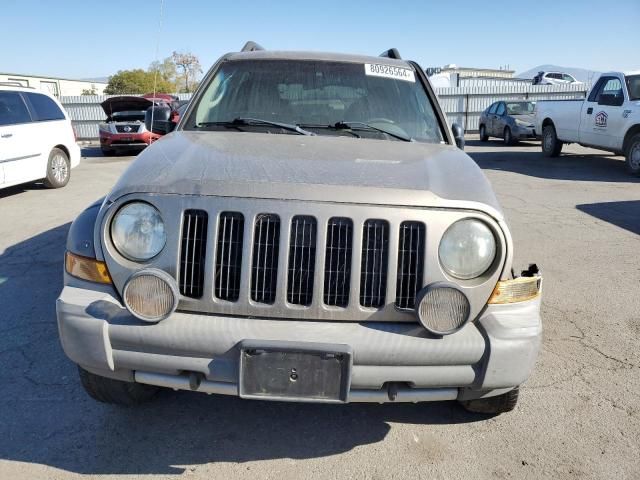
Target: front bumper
126 140
391 361
523 133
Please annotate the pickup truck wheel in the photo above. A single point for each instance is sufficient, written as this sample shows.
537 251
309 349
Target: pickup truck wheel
508 137
551 146
483 134
633 155
108 390
58 169
493 405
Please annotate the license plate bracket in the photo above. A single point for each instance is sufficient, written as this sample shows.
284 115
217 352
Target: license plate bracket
295 372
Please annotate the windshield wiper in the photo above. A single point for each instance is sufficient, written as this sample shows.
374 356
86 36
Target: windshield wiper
342 125
240 121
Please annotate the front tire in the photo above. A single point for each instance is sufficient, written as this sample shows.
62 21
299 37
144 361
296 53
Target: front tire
551 146
633 155
493 405
58 169
483 134
117 392
508 137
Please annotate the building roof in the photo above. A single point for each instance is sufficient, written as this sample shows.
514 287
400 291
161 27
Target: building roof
48 77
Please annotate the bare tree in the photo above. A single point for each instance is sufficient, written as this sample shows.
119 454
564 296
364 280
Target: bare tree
190 66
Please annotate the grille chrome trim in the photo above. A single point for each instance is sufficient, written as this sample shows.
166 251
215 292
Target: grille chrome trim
302 260
228 271
193 248
410 271
266 249
338 261
374 263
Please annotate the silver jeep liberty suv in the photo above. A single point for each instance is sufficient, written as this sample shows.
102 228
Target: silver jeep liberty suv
310 231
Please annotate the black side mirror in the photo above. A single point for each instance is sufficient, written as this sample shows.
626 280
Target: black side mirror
610 100
161 120
458 135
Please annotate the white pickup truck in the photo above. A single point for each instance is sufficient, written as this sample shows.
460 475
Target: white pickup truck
609 119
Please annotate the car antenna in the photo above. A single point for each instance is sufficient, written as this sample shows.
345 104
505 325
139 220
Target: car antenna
391 53
251 46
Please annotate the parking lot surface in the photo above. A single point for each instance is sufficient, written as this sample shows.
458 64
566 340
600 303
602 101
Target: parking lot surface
577 216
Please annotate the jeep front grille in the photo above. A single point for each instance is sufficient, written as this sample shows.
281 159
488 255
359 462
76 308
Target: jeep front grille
303 263
410 263
266 246
229 256
373 268
302 260
337 266
193 253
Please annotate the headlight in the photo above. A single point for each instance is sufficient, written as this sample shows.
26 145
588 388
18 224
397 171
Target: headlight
520 123
105 127
137 231
467 249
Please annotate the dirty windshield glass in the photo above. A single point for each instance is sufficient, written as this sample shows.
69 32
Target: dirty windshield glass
520 108
326 98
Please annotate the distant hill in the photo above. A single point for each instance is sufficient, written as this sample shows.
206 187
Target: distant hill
580 74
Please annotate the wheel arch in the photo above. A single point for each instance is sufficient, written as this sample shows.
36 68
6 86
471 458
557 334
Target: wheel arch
548 122
634 129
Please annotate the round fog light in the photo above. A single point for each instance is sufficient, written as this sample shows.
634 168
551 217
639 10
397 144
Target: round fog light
442 308
151 295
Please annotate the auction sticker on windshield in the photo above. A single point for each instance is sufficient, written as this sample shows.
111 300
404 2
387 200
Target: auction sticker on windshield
389 71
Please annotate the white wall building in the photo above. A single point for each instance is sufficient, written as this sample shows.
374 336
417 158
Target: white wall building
53 85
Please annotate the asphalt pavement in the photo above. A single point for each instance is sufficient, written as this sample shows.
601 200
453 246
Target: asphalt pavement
577 217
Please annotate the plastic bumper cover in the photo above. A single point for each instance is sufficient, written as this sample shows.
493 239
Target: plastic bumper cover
391 361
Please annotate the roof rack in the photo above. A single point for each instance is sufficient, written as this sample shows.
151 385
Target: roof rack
251 47
391 53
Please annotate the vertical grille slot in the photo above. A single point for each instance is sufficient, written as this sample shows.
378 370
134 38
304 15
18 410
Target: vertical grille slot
229 256
337 266
410 263
192 253
375 255
302 256
265 258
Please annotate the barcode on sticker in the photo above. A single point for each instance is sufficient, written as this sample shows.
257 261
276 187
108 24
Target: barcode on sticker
389 71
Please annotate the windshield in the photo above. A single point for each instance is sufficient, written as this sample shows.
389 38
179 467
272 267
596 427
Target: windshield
317 96
128 116
520 108
633 86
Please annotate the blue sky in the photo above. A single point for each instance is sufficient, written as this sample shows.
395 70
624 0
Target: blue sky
79 39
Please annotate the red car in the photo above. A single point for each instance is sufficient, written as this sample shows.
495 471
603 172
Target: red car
124 128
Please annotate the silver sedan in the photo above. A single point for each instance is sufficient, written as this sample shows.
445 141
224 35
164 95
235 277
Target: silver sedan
511 121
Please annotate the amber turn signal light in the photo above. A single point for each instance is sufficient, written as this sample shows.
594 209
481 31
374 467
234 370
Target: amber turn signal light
86 268
516 290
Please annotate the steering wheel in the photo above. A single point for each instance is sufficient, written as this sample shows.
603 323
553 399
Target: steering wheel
381 120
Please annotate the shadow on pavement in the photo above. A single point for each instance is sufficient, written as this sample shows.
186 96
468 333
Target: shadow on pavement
568 166
622 214
46 418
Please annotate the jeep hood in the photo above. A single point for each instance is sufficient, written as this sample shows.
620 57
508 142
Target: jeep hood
312 168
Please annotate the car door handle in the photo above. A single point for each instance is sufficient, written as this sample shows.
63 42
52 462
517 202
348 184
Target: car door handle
6 135
589 110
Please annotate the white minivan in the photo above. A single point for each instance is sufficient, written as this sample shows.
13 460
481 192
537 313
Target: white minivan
37 141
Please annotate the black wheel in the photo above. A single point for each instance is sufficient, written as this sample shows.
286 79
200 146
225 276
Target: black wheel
633 155
107 152
108 390
483 134
493 405
508 137
551 146
58 169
